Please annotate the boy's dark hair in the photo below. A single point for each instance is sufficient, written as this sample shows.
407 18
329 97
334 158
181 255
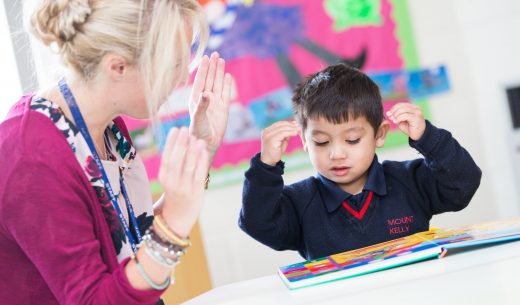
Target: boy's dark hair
338 93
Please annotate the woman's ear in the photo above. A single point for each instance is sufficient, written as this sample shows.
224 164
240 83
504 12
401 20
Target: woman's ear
381 133
115 66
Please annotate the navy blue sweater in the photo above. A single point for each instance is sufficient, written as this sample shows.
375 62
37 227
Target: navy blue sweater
308 216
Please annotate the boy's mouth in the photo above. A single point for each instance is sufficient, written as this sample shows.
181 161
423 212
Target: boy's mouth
340 170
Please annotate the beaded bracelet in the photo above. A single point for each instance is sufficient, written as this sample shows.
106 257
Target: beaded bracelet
161 251
147 279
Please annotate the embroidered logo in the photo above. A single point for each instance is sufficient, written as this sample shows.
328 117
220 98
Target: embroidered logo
400 225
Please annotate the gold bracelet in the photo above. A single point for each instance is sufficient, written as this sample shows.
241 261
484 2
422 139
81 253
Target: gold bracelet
172 237
206 182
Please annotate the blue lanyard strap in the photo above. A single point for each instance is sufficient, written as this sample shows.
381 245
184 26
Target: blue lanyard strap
80 124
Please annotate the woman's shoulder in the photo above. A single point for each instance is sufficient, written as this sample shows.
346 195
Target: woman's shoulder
26 132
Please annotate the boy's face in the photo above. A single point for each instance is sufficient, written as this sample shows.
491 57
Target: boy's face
343 152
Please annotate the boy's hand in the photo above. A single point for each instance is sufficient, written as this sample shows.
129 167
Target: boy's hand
409 118
275 139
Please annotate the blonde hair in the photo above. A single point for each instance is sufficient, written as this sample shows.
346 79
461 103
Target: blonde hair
150 34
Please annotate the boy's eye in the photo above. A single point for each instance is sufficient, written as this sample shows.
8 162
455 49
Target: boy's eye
353 141
318 143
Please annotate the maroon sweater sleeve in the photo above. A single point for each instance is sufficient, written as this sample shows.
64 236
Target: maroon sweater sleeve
47 209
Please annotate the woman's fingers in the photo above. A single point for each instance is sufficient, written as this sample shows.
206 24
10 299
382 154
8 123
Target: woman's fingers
178 152
184 160
164 168
170 142
202 107
200 77
227 89
190 159
210 77
219 77
202 165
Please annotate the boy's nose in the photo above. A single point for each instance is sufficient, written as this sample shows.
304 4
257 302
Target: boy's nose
337 153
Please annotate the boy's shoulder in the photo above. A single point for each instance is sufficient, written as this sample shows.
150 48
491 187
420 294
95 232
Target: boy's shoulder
404 173
393 165
307 183
302 193
305 188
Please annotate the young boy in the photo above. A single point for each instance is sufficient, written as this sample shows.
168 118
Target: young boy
354 201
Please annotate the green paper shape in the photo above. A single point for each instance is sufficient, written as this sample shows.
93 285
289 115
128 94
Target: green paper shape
350 13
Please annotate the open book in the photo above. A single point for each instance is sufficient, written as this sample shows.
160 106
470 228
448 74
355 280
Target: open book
435 243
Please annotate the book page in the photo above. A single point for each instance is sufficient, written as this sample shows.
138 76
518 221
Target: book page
484 232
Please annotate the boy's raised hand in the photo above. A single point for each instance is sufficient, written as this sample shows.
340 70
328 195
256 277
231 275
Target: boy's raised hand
409 118
275 139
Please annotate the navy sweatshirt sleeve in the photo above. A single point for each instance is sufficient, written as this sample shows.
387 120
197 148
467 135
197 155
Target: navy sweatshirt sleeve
268 213
446 179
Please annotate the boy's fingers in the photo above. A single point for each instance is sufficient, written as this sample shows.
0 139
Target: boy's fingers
282 136
281 129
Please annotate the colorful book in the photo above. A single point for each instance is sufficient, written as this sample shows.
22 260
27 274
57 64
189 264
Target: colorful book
435 243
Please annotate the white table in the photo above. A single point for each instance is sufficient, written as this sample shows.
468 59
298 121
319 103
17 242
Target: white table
488 276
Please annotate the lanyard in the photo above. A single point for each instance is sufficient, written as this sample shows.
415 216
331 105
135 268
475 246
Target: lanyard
80 123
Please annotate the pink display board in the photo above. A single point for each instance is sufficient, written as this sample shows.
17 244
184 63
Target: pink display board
269 46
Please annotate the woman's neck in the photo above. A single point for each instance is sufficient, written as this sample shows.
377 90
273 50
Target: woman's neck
95 105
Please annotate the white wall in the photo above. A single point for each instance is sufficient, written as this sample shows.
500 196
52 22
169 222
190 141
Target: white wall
10 85
479 42
492 34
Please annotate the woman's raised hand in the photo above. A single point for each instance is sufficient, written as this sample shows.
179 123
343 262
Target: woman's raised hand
182 174
209 102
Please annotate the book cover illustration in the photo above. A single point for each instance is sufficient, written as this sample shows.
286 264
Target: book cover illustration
417 247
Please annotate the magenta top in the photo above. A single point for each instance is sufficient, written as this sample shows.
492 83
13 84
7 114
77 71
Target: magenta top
56 245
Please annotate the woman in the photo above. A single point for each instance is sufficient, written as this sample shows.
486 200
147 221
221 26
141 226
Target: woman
76 216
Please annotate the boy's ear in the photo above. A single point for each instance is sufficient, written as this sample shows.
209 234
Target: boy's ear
302 137
381 133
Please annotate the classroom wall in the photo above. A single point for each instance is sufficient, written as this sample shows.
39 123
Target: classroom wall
10 85
492 36
479 42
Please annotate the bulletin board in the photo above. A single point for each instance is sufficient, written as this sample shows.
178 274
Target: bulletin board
270 45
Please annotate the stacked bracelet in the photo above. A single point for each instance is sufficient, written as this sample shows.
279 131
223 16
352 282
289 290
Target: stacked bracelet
148 280
161 251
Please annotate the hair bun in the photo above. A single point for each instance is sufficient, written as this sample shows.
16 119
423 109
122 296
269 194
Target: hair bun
59 21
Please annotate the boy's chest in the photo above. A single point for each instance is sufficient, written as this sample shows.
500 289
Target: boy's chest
386 218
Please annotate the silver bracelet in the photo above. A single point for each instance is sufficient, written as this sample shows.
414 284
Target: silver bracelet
148 280
158 258
161 251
